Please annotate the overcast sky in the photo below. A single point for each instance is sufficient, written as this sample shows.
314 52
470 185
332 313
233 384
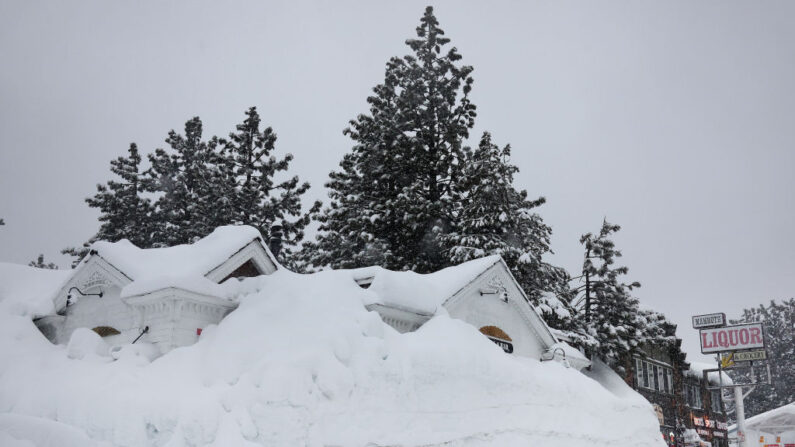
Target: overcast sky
675 120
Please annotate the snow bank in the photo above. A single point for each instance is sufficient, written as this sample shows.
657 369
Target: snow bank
302 362
27 291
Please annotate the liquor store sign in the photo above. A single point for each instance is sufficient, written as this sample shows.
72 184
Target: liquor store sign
731 338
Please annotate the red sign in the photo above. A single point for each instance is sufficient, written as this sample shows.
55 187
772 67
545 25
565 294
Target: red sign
198 331
731 338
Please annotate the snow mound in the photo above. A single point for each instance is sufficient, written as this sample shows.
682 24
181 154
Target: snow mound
302 362
19 430
86 344
27 291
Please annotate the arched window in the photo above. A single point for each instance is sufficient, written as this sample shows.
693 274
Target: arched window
106 331
494 331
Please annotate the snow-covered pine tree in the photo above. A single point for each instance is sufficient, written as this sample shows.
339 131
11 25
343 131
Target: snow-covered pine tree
609 312
778 320
39 263
391 200
255 196
490 216
200 185
181 175
124 212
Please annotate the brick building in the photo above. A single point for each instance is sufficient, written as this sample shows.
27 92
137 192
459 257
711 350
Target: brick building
676 388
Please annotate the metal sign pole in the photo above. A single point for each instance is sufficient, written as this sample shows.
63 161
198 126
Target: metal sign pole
740 410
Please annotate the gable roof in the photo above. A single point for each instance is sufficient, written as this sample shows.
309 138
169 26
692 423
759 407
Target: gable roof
776 421
194 267
424 294
421 293
198 258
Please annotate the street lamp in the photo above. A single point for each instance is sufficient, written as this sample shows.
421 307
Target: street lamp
71 299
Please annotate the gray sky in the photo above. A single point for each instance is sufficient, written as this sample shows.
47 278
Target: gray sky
672 119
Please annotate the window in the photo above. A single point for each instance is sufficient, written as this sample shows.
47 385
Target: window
692 394
659 378
645 375
106 331
715 401
639 372
670 375
653 376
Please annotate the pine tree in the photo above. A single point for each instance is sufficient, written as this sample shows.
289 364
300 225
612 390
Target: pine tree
124 212
609 312
778 321
199 186
492 217
39 263
390 201
181 176
253 195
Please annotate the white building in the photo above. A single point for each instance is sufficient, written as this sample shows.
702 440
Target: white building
482 292
166 296
771 428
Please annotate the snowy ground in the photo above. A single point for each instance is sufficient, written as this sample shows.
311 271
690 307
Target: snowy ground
302 362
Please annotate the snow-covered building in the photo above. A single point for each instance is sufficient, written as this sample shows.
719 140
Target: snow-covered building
167 295
688 411
482 292
775 427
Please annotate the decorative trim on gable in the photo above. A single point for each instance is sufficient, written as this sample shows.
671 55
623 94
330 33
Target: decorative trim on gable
95 271
95 279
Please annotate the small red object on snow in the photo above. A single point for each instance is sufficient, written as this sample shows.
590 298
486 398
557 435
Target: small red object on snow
198 331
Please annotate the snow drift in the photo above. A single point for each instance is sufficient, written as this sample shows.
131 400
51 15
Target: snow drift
302 362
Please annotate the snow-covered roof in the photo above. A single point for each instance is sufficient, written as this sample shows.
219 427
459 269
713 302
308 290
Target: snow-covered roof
697 370
421 293
776 421
186 260
26 291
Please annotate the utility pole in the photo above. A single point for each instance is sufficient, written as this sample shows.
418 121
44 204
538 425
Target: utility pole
740 412
587 297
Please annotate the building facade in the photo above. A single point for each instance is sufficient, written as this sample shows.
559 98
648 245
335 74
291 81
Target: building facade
689 413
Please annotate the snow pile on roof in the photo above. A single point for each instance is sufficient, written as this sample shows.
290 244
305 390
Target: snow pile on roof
421 293
27 291
697 370
302 362
777 421
198 258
